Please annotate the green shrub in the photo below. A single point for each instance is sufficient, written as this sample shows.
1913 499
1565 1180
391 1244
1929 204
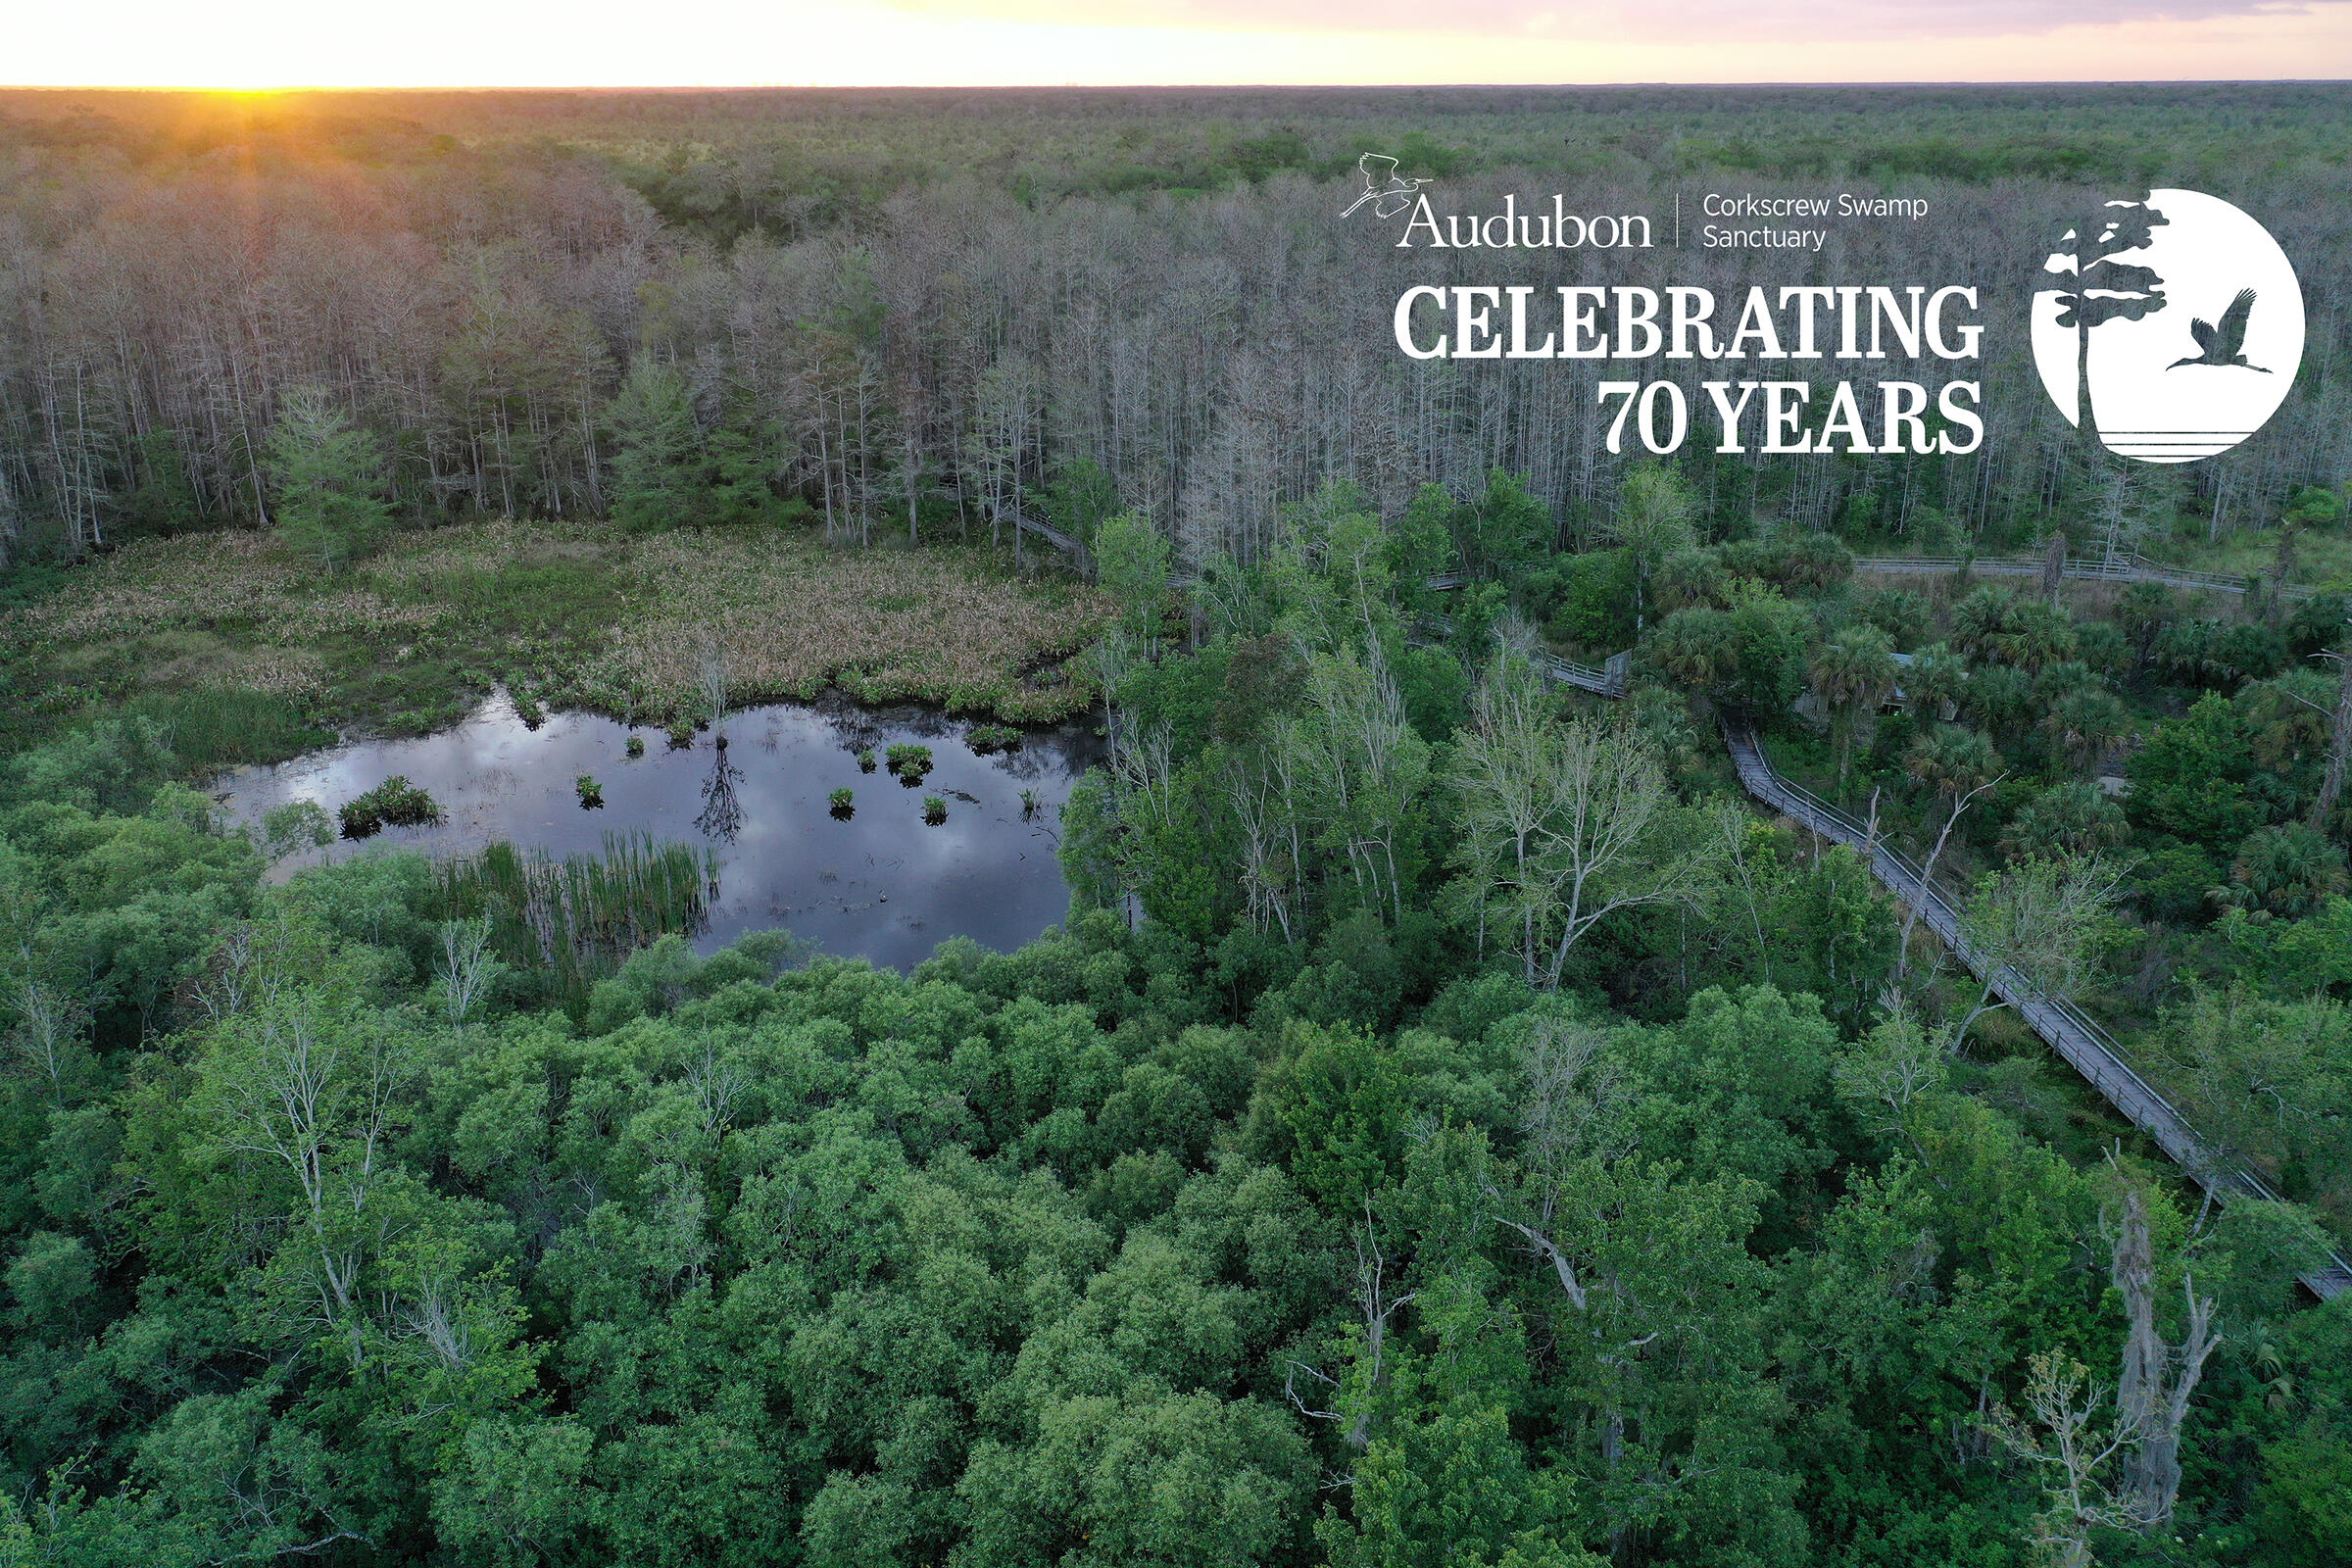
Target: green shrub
935 809
681 734
842 800
866 760
395 803
229 727
592 794
987 738
295 826
911 762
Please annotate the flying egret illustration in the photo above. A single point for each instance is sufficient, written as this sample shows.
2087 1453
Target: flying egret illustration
2224 344
1383 188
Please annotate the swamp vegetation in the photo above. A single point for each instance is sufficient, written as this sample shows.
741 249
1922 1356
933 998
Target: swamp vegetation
1448 1127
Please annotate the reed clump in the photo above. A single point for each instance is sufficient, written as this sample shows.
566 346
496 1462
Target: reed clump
910 763
571 922
395 803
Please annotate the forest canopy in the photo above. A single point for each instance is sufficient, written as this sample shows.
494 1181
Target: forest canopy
1452 1125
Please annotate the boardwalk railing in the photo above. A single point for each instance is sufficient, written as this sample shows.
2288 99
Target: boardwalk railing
1601 680
2074 1034
2077 566
2080 567
2102 1059
1022 523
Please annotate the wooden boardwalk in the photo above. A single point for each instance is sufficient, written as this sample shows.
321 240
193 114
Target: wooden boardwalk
2077 566
1601 680
2070 1032
2082 568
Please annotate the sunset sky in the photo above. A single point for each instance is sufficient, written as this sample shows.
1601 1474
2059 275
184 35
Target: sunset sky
269 43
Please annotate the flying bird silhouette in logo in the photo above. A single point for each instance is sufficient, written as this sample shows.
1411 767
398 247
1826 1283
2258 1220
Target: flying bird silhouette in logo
2224 344
1388 194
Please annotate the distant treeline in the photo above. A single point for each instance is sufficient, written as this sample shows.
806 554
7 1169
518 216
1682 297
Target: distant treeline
929 305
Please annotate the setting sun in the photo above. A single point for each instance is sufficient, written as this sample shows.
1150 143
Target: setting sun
260 44
1176 784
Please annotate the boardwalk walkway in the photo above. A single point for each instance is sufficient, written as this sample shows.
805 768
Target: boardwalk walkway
1601 680
2070 1032
2076 567
1023 523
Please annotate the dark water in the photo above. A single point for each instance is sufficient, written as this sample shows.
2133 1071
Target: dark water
882 884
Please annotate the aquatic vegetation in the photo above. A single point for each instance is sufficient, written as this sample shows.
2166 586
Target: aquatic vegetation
866 760
935 809
591 793
636 746
681 734
909 762
1030 801
842 800
571 922
987 738
395 803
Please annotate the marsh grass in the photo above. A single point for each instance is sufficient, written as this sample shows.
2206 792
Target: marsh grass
217 727
571 922
564 615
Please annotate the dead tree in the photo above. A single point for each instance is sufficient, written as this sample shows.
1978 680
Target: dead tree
2152 1395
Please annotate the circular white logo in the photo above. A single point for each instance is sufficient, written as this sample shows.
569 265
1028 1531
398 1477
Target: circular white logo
2183 317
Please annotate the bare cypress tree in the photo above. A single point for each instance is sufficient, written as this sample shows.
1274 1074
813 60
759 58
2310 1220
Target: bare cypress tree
2152 1395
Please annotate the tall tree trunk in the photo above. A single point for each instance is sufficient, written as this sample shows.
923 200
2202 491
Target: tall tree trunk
2152 1395
2339 742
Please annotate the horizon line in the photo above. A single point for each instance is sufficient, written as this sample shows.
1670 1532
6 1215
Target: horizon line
1163 86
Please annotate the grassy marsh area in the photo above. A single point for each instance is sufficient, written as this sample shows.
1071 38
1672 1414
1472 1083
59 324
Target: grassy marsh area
564 615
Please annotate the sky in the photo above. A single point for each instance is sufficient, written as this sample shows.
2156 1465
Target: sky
619 43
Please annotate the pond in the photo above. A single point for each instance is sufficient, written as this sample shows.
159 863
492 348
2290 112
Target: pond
876 881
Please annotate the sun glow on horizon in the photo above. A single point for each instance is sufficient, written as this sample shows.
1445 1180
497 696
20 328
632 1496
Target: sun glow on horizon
274 46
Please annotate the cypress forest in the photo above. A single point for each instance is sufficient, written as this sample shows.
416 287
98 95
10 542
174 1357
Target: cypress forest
1568 1041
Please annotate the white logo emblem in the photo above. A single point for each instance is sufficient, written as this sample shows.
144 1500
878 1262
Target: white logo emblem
1387 191
2183 317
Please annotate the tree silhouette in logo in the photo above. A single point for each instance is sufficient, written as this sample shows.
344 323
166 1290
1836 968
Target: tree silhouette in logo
2105 289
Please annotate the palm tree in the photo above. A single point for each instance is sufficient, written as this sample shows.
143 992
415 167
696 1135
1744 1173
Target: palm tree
1984 623
2083 723
1692 648
1853 671
1954 762
2039 637
1936 676
2289 871
2071 818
